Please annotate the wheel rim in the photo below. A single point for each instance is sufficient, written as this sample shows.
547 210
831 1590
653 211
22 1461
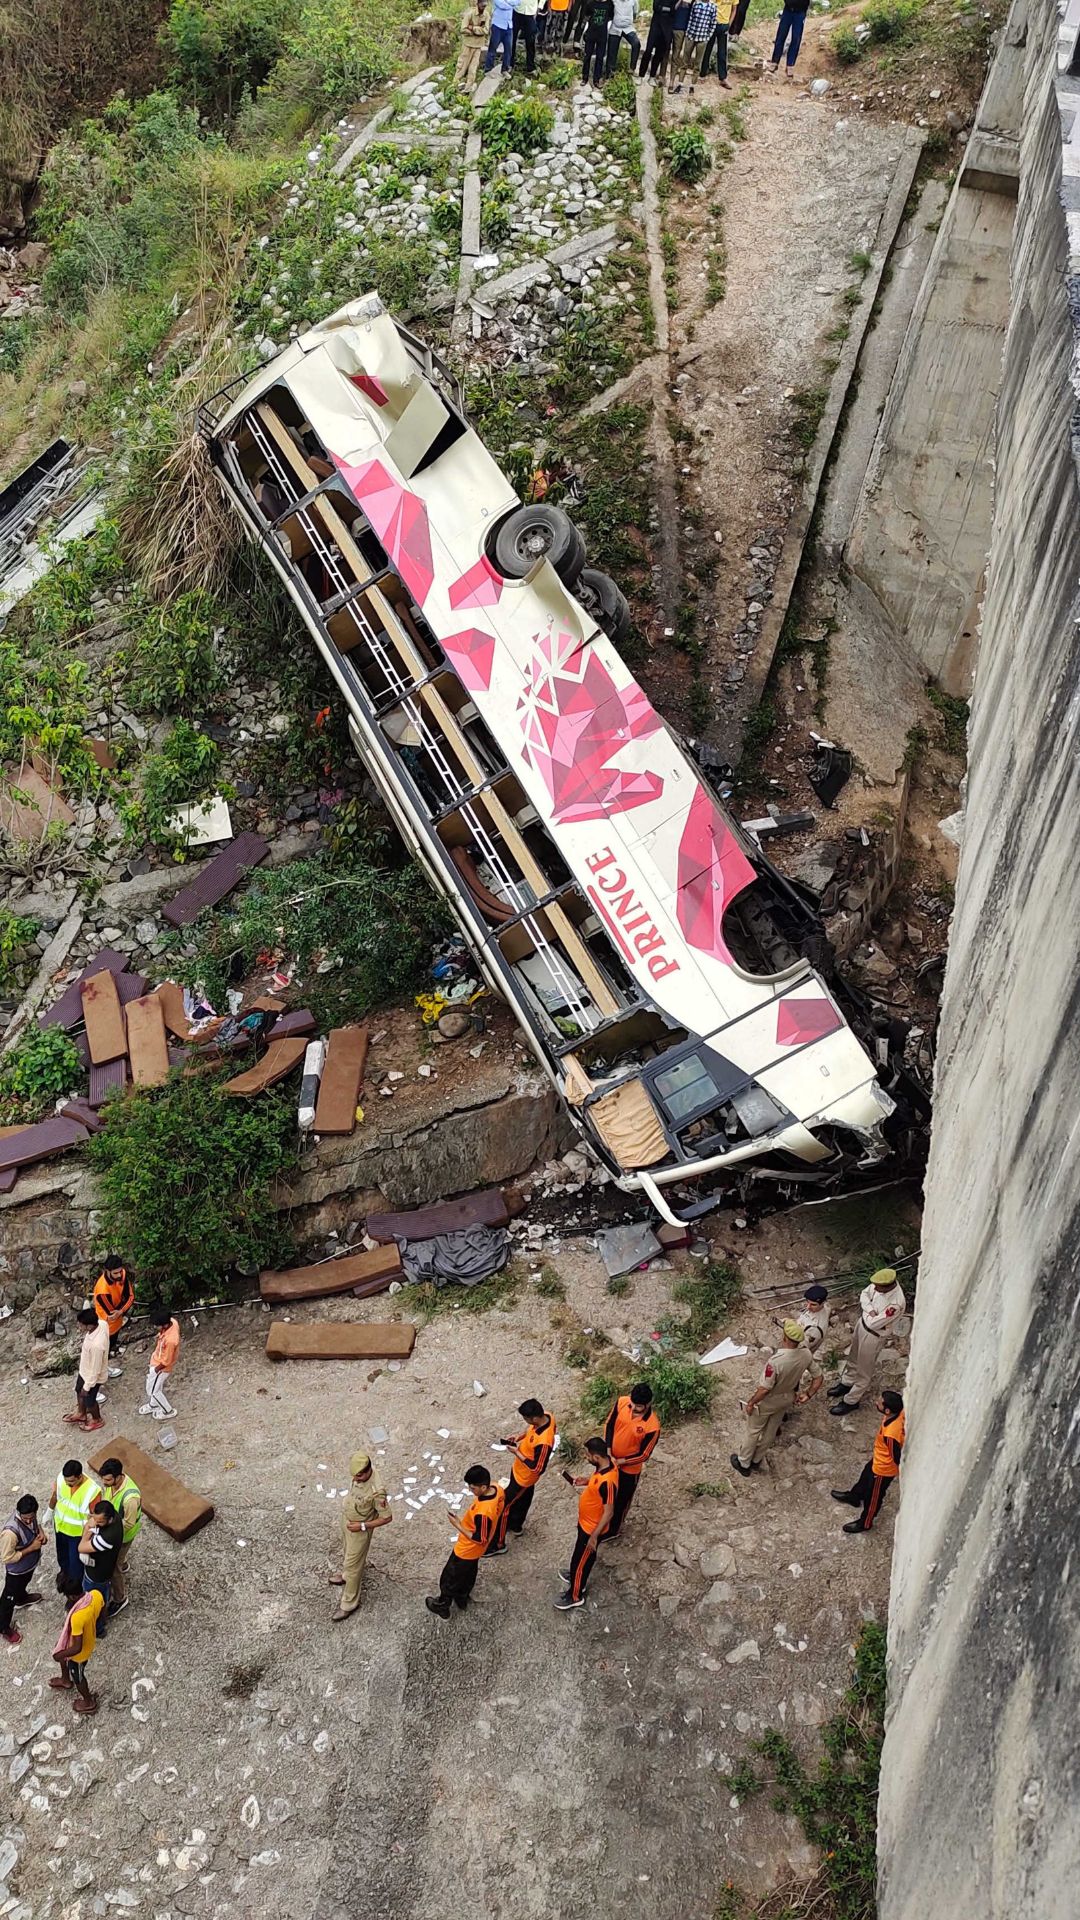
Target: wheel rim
532 543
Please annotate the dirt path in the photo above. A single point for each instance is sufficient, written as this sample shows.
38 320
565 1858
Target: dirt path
513 1760
783 223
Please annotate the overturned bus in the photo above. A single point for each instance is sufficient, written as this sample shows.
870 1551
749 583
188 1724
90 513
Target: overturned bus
657 964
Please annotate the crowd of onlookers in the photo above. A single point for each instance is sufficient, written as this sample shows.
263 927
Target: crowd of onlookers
684 39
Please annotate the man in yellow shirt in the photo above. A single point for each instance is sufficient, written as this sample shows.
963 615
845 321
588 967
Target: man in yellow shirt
74 1647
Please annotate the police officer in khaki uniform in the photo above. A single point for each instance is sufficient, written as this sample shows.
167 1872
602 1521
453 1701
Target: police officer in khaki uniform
777 1392
881 1308
365 1509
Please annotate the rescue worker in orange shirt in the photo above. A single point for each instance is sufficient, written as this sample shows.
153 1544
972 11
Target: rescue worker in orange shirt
881 1469
477 1528
531 1451
632 1432
113 1299
596 1504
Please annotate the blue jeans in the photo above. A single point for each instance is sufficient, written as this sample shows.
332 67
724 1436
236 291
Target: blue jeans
791 24
67 1559
90 1581
500 37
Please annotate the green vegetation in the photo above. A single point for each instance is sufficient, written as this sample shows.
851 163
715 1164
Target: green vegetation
498 1290
710 1294
758 729
845 43
619 1285
171 662
185 1183
181 771
515 123
549 1286
42 1066
376 923
891 20
222 50
710 1490
808 408
953 714
16 933
686 153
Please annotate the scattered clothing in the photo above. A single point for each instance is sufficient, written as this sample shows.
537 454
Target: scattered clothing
468 1255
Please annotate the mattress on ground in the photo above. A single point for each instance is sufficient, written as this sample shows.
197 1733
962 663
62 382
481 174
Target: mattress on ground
332 1276
165 1499
340 1340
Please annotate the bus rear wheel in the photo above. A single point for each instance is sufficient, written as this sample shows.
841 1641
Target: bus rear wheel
603 599
536 533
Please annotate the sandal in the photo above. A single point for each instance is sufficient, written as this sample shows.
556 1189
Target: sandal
73 1419
91 1426
86 1706
59 1684
336 1579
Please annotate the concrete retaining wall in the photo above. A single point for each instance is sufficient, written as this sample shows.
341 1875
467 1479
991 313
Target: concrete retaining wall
922 527
978 1806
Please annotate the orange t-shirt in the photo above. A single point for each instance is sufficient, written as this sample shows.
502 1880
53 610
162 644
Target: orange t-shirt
595 1497
482 1517
113 1300
536 1444
166 1347
631 1435
892 1428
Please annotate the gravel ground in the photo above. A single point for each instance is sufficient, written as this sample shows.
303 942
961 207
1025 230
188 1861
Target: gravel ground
513 1759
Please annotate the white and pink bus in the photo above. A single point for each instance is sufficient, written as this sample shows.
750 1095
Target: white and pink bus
654 960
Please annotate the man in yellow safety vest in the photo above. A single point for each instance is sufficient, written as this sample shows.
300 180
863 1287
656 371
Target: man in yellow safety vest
70 1504
121 1491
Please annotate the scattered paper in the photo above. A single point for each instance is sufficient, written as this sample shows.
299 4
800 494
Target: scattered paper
443 1433
727 1350
202 825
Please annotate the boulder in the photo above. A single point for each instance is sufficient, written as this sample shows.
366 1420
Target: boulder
428 42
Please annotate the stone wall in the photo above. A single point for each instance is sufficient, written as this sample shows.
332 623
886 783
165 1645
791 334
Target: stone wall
978 1805
922 526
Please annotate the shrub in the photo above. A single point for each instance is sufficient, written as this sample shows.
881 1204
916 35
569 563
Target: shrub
845 44
222 49
39 1070
687 153
182 771
619 91
680 1387
171 662
515 123
185 1184
378 924
337 45
16 933
709 1295
890 19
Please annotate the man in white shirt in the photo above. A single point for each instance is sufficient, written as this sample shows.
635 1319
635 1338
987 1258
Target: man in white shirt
881 1308
623 26
93 1372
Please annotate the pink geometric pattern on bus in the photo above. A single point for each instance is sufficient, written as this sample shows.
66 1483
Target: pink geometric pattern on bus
575 721
471 653
368 384
481 586
712 870
399 519
801 1020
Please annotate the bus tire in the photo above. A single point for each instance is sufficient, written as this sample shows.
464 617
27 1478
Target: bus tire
535 533
604 600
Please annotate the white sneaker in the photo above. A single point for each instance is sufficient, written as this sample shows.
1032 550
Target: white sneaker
115 1372
147 1409
158 1415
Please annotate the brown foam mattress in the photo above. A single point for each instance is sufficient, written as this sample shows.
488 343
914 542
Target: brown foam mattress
487 1209
332 1276
165 1499
340 1340
280 1058
339 1088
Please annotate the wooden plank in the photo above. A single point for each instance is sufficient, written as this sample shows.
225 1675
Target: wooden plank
130 986
148 1048
486 1209
165 1499
176 1021
106 1080
332 1276
339 1088
280 1058
290 1024
340 1340
8 1177
104 1019
67 1011
219 877
41 1142
83 1113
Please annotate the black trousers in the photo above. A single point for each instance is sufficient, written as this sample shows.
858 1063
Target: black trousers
457 1580
582 1561
515 1511
624 1494
14 1595
525 29
738 19
596 53
868 1493
657 46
